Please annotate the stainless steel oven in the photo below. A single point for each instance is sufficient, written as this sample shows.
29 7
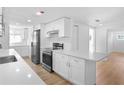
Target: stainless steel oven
47 56
47 60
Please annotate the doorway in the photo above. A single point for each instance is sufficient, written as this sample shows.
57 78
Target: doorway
92 42
115 41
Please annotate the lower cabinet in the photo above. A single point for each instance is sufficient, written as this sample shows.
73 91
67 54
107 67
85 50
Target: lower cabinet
71 68
64 66
77 70
56 63
60 64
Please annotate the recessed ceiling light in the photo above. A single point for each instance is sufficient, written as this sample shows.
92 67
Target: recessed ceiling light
39 13
97 20
17 23
28 20
100 24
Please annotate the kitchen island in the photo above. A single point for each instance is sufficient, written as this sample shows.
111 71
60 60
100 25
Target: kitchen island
94 57
18 72
78 68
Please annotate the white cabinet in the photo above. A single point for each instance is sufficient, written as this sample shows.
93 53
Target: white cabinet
64 66
47 29
70 68
62 26
60 64
65 26
77 70
56 63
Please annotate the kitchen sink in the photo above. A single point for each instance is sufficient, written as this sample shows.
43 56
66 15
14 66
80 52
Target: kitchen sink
8 59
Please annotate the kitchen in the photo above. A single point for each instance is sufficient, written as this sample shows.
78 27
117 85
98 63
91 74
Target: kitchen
58 45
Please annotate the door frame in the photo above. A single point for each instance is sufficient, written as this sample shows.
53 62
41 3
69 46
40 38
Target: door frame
108 31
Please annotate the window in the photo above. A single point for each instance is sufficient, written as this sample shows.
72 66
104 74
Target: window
120 36
17 36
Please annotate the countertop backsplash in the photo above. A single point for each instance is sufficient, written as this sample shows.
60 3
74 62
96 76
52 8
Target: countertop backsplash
65 41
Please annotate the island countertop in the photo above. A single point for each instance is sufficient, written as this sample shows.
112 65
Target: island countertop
87 56
17 73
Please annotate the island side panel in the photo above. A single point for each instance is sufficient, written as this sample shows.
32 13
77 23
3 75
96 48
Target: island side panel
90 72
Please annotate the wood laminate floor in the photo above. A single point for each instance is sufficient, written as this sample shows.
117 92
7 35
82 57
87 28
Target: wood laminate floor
111 71
48 78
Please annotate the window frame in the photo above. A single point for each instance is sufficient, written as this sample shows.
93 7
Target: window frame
22 43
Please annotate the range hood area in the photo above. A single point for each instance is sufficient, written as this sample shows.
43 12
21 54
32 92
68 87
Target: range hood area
59 28
53 33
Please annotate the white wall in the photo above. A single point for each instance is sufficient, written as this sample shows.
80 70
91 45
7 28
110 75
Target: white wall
29 41
75 38
84 38
101 39
101 35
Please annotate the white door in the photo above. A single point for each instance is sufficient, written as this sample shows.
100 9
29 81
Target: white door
116 41
77 67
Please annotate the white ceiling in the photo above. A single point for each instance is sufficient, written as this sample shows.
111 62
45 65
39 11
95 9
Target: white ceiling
79 14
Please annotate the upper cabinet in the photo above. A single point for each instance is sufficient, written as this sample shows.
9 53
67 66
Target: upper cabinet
58 28
36 27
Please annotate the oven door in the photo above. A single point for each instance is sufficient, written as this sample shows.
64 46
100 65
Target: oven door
47 59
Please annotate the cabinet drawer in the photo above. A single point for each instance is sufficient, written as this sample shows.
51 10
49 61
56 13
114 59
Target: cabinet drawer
76 62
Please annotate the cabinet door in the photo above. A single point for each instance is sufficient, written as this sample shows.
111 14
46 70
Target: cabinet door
65 27
55 25
60 63
56 63
64 66
77 67
61 27
48 27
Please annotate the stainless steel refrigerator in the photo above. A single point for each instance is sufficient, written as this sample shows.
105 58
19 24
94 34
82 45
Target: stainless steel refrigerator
35 47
